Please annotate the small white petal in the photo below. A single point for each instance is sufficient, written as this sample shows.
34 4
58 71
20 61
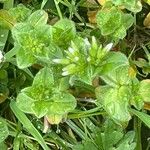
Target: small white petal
56 60
88 59
108 47
86 41
1 56
71 50
76 58
65 73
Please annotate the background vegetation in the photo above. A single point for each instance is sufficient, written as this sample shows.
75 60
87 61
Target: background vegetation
74 74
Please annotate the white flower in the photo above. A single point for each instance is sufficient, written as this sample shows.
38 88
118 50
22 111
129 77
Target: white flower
76 58
1 56
57 61
87 43
71 50
108 47
65 73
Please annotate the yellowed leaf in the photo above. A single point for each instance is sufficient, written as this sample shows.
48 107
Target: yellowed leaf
147 21
132 72
147 106
147 1
92 16
102 2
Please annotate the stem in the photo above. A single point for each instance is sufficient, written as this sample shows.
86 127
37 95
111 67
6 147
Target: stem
137 128
58 9
148 146
135 27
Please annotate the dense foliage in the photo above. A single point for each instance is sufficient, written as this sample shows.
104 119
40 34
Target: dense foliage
74 74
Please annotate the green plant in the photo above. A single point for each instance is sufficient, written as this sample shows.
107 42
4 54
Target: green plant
68 75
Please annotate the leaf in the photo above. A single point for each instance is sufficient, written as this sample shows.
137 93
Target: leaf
85 145
28 125
112 61
118 76
144 90
43 98
92 16
127 142
102 2
113 22
3 146
20 13
134 5
147 21
108 20
111 135
147 1
4 132
39 17
31 45
63 32
115 102
145 118
6 20
43 3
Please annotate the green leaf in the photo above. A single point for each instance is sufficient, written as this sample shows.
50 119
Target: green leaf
63 32
4 132
3 146
31 43
7 21
20 13
43 3
28 125
108 20
132 5
24 59
39 17
113 22
44 98
127 20
111 135
85 145
112 61
115 101
117 77
142 116
127 142
144 90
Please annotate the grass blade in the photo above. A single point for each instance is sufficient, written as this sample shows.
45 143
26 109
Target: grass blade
28 125
142 116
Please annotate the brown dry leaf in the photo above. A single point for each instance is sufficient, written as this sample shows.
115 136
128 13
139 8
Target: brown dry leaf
147 21
92 16
147 106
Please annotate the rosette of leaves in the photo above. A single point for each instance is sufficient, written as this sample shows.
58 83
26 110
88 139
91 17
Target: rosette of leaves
32 39
44 98
113 22
85 60
82 58
122 90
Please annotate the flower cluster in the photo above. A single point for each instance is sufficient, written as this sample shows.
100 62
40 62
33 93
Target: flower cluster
78 59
